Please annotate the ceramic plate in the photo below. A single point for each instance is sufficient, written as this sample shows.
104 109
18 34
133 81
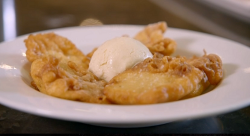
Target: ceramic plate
231 94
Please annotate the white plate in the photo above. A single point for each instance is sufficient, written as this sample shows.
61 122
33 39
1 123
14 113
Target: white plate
231 94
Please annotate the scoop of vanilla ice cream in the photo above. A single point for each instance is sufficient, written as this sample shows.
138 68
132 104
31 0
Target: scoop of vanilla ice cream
116 55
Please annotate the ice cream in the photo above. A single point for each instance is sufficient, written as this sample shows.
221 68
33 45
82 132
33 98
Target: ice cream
116 55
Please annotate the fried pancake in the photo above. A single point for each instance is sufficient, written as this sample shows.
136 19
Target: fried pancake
155 80
64 79
59 69
152 37
41 45
211 64
163 79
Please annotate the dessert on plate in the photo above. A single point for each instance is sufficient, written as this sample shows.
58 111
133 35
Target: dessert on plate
123 70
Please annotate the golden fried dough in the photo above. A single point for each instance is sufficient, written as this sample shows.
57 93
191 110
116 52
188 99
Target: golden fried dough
63 79
211 64
156 80
202 86
152 37
164 78
41 45
60 69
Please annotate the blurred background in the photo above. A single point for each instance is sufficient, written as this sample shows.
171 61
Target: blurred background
225 18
